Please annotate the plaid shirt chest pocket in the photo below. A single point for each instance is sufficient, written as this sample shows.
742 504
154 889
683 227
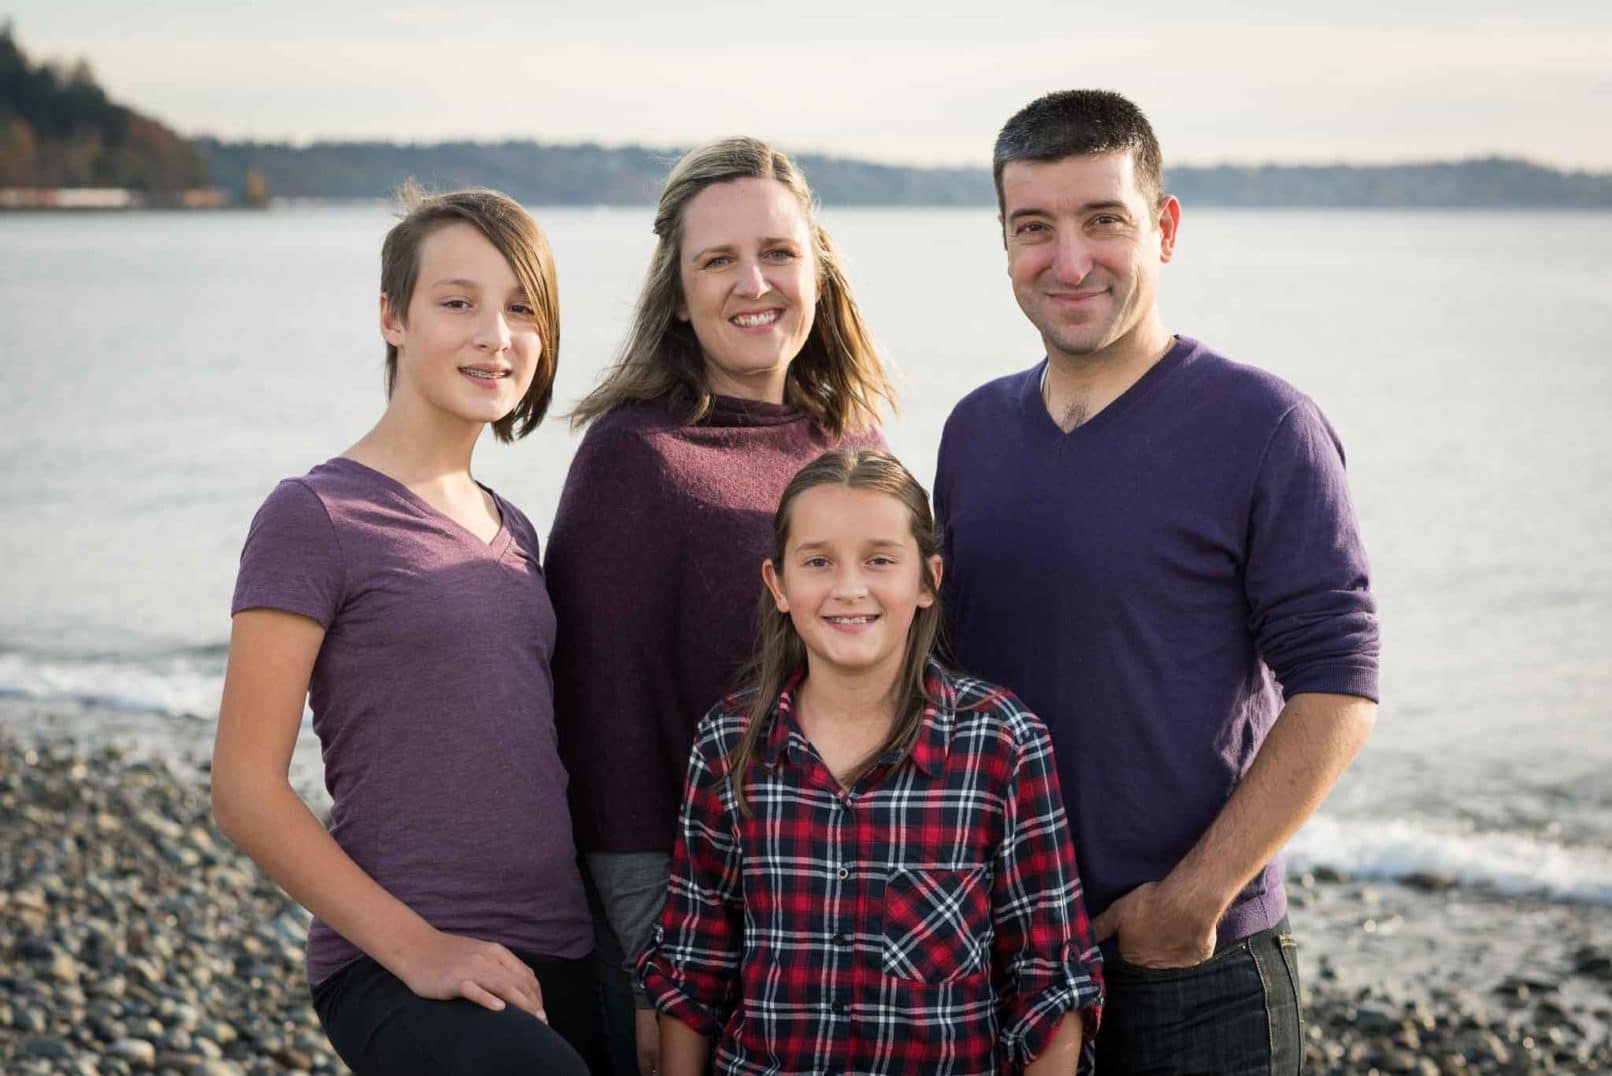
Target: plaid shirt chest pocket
937 923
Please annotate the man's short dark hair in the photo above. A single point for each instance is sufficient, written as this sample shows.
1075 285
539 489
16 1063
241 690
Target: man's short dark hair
1080 123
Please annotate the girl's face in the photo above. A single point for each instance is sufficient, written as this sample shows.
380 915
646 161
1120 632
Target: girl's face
851 578
470 345
749 284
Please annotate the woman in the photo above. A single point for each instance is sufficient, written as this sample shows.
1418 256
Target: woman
747 358
402 599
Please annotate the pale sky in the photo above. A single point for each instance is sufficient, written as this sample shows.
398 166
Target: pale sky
904 82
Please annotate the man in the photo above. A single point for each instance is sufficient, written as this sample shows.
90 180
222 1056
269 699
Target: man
1140 535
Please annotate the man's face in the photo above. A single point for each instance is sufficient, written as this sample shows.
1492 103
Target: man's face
1084 245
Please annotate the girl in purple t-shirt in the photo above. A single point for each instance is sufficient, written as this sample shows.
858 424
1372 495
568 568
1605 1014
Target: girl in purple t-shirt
404 600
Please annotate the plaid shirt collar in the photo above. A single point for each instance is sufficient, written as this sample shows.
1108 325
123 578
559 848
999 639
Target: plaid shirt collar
784 739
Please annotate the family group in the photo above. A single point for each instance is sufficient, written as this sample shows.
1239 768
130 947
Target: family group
765 765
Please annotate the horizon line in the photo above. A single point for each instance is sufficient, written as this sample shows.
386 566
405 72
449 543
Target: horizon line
672 153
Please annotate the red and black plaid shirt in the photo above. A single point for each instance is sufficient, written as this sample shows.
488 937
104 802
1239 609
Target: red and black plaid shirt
928 919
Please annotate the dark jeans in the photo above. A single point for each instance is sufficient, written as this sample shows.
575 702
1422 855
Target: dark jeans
1236 1013
615 1034
379 1026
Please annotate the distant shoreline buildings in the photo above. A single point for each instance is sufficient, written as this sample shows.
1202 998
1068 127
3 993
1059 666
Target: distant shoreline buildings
81 199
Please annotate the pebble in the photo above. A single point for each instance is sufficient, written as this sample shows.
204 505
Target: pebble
137 1052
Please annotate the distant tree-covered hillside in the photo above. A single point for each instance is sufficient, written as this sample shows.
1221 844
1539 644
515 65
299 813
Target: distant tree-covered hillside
543 174
1485 183
59 129
550 174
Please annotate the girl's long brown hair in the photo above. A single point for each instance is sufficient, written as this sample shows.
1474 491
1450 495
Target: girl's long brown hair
780 653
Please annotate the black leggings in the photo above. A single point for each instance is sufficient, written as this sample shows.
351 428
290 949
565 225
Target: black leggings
379 1026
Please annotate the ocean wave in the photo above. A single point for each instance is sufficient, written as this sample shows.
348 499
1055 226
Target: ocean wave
1506 863
182 684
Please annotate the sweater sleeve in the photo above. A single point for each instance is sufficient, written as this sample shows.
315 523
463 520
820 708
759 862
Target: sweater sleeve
1307 583
612 571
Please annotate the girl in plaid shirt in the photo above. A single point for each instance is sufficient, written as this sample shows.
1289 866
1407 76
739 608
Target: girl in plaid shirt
872 871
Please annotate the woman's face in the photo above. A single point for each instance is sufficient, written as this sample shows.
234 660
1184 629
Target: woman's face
749 284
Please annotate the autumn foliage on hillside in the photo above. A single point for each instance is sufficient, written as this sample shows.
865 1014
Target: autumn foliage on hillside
59 129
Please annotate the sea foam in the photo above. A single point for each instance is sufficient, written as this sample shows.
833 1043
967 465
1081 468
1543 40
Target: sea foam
1507 863
179 685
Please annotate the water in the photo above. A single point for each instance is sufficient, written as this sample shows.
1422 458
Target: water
158 373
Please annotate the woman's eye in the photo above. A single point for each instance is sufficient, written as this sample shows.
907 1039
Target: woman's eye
456 304
816 562
780 254
522 309
882 562
718 262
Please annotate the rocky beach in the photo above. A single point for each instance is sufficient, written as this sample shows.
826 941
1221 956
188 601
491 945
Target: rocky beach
134 938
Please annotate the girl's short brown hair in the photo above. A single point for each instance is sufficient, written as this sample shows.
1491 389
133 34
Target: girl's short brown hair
517 237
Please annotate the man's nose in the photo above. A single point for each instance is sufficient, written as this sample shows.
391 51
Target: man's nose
1071 259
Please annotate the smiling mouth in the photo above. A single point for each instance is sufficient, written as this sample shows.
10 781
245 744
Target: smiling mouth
484 375
756 318
864 618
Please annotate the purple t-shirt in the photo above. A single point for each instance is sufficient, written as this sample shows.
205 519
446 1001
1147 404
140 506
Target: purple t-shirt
1141 581
433 702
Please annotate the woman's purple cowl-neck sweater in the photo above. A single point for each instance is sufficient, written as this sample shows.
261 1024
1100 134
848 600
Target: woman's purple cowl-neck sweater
654 568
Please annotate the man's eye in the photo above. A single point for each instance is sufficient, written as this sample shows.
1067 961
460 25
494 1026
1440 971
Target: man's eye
456 304
1033 227
816 562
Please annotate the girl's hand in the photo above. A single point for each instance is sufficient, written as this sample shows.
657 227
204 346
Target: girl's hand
447 966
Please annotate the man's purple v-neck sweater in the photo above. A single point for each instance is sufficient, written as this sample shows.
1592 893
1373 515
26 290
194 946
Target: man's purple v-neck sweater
1141 580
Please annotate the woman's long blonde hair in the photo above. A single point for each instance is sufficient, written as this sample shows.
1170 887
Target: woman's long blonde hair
780 653
837 378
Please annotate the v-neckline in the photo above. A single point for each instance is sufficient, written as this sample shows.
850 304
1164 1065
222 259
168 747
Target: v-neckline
495 546
1117 406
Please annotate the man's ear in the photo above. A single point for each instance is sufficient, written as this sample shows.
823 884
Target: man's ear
1169 227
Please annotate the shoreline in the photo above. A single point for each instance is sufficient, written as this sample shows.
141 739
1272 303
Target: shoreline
134 937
